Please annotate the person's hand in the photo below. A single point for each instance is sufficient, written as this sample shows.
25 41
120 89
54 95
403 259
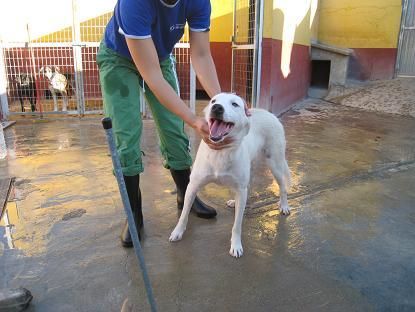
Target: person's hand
202 128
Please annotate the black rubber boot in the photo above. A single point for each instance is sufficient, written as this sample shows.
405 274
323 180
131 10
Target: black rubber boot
181 178
134 195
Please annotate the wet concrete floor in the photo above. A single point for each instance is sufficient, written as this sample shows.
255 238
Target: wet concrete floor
349 244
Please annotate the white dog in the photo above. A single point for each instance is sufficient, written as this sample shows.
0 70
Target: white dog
260 134
57 84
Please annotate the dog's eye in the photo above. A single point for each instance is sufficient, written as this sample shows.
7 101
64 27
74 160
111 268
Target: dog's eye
235 104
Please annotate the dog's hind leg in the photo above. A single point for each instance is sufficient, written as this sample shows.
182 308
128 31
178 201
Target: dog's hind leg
22 104
33 103
281 173
55 101
240 203
65 101
191 191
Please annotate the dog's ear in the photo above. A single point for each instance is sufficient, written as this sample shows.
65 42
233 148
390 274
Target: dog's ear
41 70
56 68
247 111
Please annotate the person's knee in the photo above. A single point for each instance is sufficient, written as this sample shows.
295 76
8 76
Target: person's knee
131 161
176 156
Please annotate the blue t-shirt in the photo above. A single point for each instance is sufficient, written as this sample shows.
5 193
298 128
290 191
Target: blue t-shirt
164 23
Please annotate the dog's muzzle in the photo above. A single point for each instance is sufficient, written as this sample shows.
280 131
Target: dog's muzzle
218 128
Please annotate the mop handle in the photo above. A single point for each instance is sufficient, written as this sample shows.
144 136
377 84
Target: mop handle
107 124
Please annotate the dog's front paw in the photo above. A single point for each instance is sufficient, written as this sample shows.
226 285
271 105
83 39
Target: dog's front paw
230 203
236 250
177 234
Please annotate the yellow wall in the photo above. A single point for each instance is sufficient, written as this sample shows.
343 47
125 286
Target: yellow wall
221 26
293 20
92 30
221 20
343 23
360 23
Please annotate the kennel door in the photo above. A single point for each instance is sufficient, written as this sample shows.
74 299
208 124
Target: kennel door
246 49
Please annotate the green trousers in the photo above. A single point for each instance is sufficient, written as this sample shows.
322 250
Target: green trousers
121 85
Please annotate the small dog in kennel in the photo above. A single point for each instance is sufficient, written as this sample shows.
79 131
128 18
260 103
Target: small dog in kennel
26 89
58 84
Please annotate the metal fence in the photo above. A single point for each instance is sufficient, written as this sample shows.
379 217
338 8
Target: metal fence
247 33
67 54
405 64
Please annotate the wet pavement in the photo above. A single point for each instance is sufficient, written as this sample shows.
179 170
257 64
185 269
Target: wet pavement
348 245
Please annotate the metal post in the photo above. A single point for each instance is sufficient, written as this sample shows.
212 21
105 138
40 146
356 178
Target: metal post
192 88
233 39
3 86
107 124
400 37
258 51
254 52
77 51
34 71
143 107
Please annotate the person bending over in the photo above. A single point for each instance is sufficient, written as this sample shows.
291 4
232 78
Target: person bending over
136 56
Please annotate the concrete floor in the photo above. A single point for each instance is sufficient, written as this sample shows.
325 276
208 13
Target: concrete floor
395 96
349 244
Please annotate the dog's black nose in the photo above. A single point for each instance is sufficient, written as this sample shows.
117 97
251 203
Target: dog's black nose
217 109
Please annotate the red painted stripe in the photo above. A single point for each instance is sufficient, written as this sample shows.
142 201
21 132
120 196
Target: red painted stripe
278 93
372 63
222 57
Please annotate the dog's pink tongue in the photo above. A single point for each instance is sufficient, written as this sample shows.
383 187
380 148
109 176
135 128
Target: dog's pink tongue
218 128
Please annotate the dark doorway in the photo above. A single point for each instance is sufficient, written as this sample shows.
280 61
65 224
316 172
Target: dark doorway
320 74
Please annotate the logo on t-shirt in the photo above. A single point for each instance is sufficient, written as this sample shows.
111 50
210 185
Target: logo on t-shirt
177 26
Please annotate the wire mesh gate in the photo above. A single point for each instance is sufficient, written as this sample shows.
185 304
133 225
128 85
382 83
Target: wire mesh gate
246 49
67 50
405 65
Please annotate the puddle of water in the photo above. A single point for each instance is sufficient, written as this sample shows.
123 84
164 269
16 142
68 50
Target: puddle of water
8 222
15 232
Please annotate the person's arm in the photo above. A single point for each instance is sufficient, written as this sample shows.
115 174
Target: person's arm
203 63
146 60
